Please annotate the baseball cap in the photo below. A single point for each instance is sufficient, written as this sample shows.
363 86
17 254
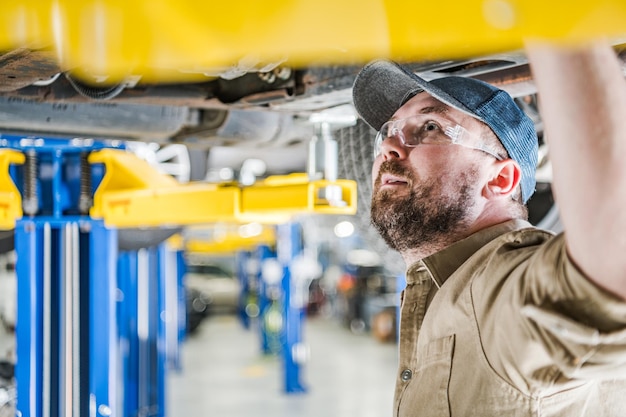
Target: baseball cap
382 87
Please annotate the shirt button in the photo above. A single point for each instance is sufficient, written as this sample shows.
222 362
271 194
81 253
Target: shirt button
406 375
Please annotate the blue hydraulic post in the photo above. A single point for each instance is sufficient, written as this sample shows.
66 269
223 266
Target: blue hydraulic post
30 339
168 357
173 312
127 323
63 258
103 336
141 274
269 278
148 363
147 288
64 273
181 270
289 245
97 327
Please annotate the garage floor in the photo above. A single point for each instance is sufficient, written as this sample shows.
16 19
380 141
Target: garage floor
225 374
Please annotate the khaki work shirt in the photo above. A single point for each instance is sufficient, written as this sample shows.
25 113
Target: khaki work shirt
504 324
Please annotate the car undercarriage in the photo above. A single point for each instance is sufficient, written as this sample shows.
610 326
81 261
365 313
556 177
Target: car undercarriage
245 95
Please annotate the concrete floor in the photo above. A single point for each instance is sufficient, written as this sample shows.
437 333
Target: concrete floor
224 374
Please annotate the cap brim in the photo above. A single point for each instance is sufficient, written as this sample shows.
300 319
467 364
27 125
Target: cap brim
382 87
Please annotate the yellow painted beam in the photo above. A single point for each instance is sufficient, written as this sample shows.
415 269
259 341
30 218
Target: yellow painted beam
134 194
279 197
183 205
10 198
161 38
231 242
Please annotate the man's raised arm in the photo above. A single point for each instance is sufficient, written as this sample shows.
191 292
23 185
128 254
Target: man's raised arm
582 96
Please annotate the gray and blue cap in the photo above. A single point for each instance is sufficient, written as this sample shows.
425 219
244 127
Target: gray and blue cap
382 87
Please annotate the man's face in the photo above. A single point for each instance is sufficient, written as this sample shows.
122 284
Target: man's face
425 195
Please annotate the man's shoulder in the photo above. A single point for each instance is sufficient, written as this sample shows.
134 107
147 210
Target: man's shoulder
517 234
501 246
509 248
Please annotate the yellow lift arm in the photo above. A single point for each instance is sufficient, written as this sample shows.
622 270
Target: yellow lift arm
134 194
170 38
10 198
232 241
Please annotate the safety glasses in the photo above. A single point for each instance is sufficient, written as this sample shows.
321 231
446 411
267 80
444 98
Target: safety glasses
425 129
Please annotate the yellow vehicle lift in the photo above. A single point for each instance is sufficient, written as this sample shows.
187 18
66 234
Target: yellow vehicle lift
134 194
174 39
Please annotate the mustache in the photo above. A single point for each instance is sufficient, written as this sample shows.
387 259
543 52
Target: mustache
392 167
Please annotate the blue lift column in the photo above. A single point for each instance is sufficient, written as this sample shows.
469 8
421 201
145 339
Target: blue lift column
270 276
174 305
146 321
66 288
97 326
289 245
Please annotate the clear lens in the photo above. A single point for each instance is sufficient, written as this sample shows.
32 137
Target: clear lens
429 130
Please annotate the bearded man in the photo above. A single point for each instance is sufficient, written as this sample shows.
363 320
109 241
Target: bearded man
499 318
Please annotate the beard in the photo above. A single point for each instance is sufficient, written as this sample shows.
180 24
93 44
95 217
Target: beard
426 217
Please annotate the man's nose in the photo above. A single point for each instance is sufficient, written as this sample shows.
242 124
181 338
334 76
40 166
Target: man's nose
393 148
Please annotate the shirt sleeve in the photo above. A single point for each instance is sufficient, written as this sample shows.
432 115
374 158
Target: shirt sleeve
545 325
582 326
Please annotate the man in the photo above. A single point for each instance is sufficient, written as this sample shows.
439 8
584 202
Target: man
499 318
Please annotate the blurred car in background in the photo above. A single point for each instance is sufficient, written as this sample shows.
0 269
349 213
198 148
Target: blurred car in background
196 310
214 286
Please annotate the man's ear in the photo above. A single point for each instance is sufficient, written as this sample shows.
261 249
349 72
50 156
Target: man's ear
505 179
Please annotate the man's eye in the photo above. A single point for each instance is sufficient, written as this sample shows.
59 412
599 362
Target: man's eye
430 126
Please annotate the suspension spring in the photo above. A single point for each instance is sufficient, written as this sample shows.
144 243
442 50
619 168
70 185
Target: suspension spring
30 203
85 199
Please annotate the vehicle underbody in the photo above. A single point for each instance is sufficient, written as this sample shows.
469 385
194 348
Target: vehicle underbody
226 118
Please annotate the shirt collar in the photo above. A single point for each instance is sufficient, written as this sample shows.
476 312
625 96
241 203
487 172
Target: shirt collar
442 264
